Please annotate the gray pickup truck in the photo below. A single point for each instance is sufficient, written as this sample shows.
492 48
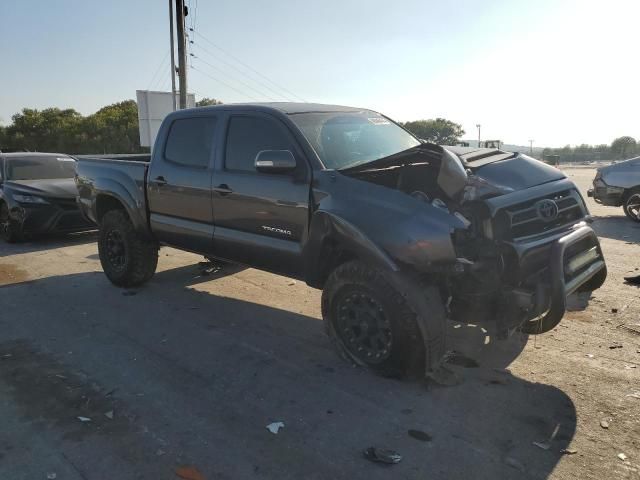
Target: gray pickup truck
399 234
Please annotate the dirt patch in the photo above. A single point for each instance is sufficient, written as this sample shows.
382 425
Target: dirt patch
44 390
10 274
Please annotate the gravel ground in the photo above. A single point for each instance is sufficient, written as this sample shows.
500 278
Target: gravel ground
188 371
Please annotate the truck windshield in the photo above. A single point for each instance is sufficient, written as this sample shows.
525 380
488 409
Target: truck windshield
40 168
347 139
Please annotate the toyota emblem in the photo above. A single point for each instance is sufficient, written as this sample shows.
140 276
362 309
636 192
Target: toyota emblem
547 210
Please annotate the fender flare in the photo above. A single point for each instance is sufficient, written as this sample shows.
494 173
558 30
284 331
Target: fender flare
328 227
119 192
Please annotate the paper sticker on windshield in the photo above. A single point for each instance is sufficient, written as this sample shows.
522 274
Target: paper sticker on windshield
65 159
379 121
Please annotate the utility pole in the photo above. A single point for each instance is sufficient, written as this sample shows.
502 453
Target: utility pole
182 53
173 60
531 147
478 127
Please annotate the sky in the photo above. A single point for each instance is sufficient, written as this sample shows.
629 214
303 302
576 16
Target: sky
555 71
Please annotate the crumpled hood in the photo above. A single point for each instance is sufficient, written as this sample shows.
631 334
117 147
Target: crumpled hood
517 172
53 188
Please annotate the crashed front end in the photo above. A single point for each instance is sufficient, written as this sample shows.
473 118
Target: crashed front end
517 239
524 253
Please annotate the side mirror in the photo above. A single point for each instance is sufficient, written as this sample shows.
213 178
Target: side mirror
275 161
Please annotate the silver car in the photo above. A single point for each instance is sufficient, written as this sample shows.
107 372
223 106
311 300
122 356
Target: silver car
619 185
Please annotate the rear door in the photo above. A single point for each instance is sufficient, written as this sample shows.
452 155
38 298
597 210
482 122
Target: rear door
179 184
261 219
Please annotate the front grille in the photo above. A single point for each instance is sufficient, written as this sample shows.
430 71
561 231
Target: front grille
523 219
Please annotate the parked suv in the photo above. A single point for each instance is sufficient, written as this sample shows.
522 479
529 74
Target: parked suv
399 234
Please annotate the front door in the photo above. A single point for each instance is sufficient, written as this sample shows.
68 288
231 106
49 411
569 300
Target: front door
179 185
261 219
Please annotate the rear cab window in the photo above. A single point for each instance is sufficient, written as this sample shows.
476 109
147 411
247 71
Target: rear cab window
190 141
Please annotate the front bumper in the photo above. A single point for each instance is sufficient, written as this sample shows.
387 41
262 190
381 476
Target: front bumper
556 269
63 216
606 194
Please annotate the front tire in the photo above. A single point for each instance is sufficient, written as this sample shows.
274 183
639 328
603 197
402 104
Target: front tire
375 325
128 259
631 205
10 230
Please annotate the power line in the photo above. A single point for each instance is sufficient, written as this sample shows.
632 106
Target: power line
230 65
262 94
248 67
158 70
223 83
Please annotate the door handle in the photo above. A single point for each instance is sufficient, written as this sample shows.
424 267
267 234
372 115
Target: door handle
160 181
223 189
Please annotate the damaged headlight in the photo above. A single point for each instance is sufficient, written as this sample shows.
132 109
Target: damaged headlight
477 188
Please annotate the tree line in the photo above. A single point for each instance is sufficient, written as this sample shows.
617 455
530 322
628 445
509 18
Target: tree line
114 129
621 148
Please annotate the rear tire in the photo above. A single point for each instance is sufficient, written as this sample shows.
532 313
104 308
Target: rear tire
374 325
128 259
631 205
10 230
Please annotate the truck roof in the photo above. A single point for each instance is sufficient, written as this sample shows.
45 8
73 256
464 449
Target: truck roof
288 108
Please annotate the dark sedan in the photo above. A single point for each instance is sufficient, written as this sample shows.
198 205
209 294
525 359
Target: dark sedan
38 195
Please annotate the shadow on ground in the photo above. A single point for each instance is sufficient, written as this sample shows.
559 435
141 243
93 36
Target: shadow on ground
617 227
197 377
47 242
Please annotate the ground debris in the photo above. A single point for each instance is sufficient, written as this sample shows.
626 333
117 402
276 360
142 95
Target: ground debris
514 463
420 435
443 376
635 328
275 427
615 345
622 456
604 424
569 451
614 310
52 476
109 414
84 419
634 395
633 280
382 455
547 445
189 473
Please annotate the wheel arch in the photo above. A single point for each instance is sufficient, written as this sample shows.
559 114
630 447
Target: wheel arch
334 241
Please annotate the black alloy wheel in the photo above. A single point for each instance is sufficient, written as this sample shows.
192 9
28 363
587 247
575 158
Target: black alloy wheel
364 326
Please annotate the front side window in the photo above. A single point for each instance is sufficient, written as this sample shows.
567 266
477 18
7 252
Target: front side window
247 136
190 141
40 167
347 139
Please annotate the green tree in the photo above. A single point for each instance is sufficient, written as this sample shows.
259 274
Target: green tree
113 129
439 131
206 102
624 146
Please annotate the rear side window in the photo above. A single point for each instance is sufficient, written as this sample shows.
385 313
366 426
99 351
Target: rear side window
249 135
190 141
